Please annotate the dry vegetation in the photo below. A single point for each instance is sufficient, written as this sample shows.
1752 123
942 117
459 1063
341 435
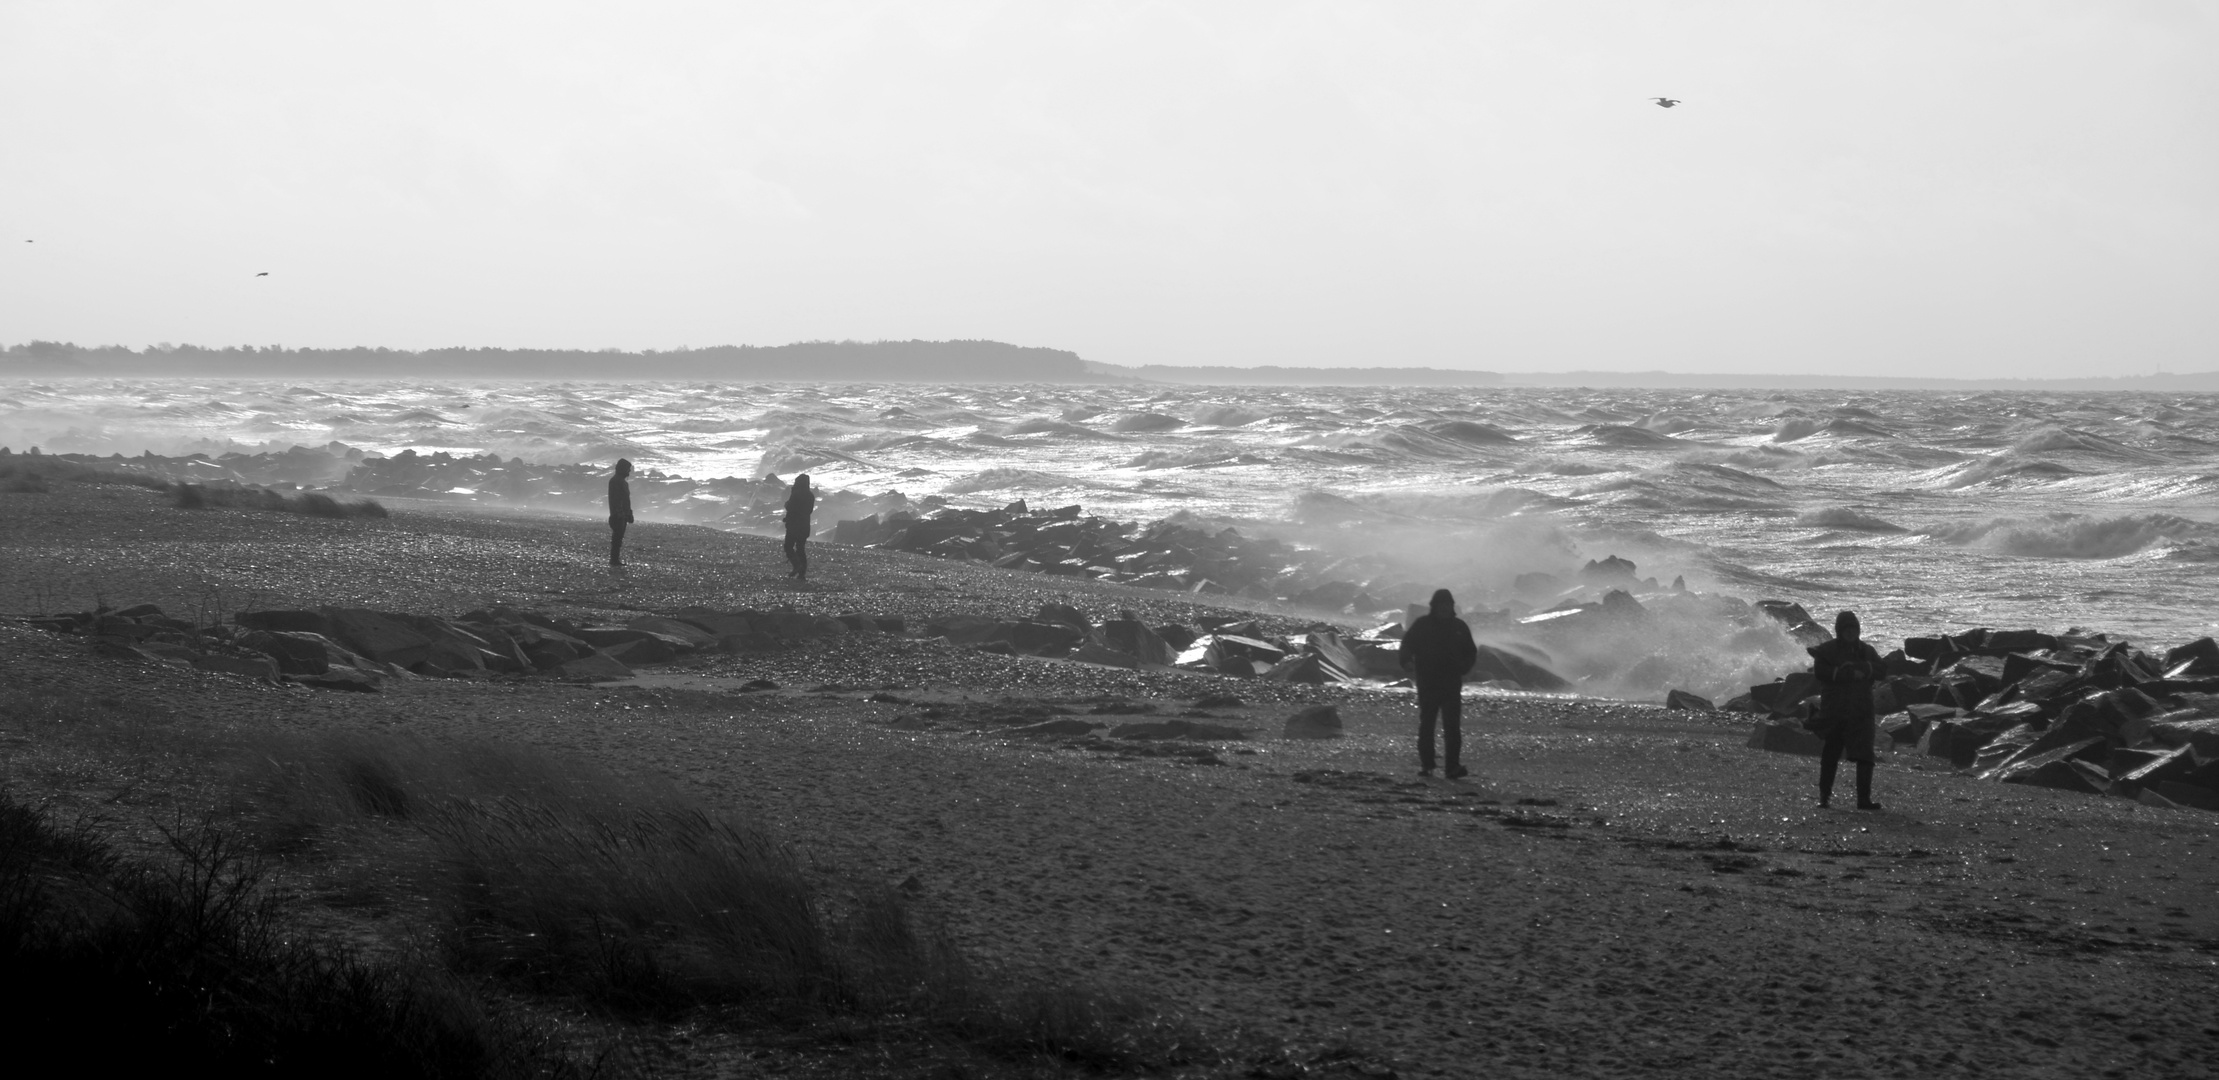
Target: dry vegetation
543 879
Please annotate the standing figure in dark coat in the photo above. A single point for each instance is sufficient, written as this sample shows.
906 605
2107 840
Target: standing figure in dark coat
1846 668
799 505
620 512
1438 650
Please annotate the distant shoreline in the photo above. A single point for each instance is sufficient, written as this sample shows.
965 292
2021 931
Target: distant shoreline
963 361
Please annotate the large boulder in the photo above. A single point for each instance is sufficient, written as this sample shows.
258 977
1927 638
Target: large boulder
381 637
1094 652
1315 722
1785 697
2201 732
308 622
2129 775
718 624
296 652
1329 647
1681 699
2195 660
695 637
1064 614
1497 662
594 667
1234 654
962 629
2066 774
1306 669
1034 636
1133 638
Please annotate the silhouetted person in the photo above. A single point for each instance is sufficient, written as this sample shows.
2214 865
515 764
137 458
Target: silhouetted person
1438 650
620 512
799 505
1845 668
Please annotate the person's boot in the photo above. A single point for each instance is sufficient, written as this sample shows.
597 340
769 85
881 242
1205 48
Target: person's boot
1456 772
1864 787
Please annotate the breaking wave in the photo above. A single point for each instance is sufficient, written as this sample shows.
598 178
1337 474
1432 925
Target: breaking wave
2078 536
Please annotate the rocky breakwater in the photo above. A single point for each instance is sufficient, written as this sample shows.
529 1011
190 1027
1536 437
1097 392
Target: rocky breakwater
334 648
2077 711
1245 647
1167 554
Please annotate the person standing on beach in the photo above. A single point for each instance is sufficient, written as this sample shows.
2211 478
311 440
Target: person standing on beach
1438 650
620 512
799 505
1846 668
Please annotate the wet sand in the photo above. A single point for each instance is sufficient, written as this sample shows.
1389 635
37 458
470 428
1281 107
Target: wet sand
1615 890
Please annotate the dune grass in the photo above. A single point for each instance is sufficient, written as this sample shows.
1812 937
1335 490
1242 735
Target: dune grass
121 967
312 503
547 879
561 878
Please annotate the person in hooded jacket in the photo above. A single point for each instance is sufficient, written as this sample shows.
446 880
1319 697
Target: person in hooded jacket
799 505
1438 651
620 512
1846 668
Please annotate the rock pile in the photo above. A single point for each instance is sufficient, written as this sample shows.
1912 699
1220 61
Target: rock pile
1165 554
1223 645
357 649
2077 711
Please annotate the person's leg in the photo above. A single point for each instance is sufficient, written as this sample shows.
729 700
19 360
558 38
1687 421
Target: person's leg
801 558
1864 786
616 543
1829 760
1429 706
791 569
1452 729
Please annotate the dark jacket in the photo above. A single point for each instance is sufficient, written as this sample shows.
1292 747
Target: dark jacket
799 505
1845 671
620 501
1439 648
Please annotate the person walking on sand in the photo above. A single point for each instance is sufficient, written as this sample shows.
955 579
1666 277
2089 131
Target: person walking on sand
1438 650
620 513
1845 669
799 505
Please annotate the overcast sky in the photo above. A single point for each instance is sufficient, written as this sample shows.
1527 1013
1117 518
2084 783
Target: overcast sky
1924 188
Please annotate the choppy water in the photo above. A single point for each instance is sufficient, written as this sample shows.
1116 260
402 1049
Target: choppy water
1925 511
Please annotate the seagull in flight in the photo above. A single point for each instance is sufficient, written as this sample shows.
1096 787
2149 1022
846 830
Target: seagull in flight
264 273
1665 102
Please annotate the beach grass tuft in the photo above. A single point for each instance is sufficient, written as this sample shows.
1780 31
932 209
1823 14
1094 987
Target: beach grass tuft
124 966
311 503
559 878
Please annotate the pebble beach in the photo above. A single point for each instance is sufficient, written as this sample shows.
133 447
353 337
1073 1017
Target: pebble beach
1615 890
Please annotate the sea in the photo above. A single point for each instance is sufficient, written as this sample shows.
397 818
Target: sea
1923 511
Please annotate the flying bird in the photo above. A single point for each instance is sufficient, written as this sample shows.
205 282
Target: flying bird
264 273
1665 102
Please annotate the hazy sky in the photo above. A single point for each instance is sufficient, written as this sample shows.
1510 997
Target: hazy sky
1916 188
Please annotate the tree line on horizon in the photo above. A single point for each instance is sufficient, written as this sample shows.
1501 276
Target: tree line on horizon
878 361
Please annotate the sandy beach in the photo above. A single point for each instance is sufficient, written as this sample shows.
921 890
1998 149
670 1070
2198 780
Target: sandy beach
1615 890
